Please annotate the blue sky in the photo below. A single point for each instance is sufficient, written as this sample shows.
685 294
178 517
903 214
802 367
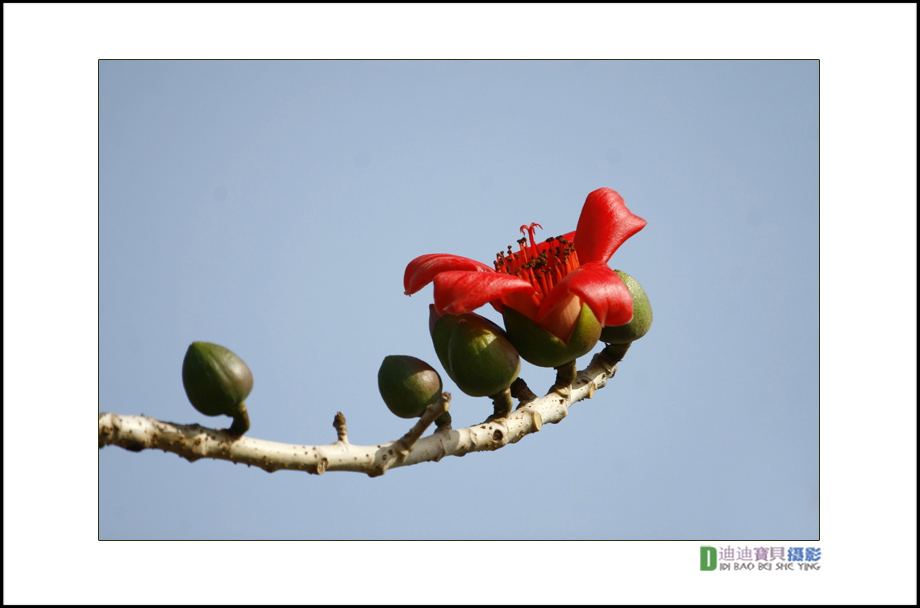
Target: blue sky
272 206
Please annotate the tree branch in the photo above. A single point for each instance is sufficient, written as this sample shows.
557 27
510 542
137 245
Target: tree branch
137 433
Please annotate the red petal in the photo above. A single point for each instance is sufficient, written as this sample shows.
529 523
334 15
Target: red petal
600 288
604 225
423 269
526 303
459 291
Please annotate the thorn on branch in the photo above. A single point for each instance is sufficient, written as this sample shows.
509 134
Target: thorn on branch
340 427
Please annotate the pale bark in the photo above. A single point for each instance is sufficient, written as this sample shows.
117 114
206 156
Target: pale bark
193 441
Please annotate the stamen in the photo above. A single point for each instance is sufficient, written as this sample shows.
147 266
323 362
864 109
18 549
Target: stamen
574 260
529 275
523 242
543 265
544 283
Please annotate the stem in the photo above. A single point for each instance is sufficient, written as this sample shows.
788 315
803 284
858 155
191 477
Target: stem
616 351
240 421
502 403
405 443
522 392
442 422
565 376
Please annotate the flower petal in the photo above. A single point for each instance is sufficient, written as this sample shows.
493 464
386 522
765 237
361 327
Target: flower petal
605 224
423 269
524 302
460 291
599 287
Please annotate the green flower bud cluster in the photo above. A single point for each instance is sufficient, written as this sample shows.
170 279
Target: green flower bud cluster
483 359
475 353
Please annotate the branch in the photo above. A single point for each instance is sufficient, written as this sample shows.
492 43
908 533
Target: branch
137 433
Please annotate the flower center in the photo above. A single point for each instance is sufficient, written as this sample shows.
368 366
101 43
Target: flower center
541 264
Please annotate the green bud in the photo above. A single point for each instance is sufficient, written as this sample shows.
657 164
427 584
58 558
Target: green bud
542 348
217 382
408 385
641 320
442 327
481 360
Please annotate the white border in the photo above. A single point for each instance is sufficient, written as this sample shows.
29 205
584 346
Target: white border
868 296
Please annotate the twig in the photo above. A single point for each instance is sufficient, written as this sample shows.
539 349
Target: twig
137 433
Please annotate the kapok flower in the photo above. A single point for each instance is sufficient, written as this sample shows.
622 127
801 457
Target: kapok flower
547 282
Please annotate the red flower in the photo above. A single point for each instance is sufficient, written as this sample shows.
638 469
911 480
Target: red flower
547 282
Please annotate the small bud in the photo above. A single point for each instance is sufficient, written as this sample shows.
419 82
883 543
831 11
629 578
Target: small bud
217 382
482 361
478 357
641 320
542 348
408 385
442 327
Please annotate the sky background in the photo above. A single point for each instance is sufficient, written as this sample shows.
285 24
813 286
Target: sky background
272 207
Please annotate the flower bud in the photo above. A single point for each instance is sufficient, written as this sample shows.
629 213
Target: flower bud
408 385
217 382
641 320
542 348
475 352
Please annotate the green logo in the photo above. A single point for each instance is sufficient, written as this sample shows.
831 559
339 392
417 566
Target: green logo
707 558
